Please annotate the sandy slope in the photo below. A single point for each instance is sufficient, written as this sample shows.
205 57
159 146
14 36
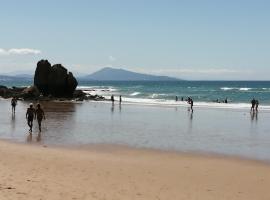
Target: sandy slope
38 172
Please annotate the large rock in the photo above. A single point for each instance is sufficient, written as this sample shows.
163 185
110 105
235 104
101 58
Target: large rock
55 80
41 76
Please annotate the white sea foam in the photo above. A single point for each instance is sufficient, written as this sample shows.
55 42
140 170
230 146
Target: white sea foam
155 95
227 88
135 93
245 89
235 88
98 90
198 104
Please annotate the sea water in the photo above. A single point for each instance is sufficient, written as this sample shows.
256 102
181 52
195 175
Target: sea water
149 117
203 93
164 92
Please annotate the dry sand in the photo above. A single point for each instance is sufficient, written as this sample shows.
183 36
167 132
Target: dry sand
38 172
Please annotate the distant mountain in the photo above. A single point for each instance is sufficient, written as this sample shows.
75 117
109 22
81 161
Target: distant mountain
23 77
112 74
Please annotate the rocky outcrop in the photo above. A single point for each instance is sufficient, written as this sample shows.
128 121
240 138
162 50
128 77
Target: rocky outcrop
30 93
42 73
50 83
54 80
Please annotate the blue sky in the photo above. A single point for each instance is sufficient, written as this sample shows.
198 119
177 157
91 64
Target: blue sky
188 39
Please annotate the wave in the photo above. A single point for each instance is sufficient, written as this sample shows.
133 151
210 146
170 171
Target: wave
235 88
198 104
245 89
135 93
155 95
227 88
98 90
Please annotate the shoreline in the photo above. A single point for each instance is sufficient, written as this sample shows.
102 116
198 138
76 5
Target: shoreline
168 129
111 148
38 172
237 106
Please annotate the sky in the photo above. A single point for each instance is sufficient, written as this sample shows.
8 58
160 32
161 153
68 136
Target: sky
189 39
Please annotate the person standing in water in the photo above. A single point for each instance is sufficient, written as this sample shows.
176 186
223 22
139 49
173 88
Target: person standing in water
39 115
253 102
191 104
112 99
176 98
120 99
13 104
30 114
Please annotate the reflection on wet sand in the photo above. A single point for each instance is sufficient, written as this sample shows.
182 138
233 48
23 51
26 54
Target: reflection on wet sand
71 123
29 137
39 137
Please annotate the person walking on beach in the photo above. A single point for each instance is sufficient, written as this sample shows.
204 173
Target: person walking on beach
176 98
30 113
190 101
253 102
39 115
256 105
13 104
112 99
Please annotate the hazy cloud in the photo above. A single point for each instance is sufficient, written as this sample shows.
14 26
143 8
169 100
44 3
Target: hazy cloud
112 58
209 71
21 51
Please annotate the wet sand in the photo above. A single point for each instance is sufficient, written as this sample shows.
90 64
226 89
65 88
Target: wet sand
41 172
220 131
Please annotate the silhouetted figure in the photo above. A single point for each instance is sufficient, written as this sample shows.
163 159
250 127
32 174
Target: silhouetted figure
256 105
112 99
13 104
253 102
176 98
226 100
30 113
191 104
182 98
39 115
120 99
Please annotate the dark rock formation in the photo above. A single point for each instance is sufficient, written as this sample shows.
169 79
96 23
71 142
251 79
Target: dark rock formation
30 93
42 73
54 80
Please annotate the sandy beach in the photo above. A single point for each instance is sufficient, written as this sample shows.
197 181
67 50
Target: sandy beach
44 172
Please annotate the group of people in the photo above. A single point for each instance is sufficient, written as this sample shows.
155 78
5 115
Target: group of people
189 101
120 99
31 114
254 105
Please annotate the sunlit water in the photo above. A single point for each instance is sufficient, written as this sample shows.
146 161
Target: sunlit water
224 131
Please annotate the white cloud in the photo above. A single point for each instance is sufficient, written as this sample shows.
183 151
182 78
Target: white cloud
21 51
112 58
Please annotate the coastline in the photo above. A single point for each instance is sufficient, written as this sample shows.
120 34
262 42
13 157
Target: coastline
43 172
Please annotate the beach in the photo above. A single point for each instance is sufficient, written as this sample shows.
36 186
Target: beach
97 150
44 172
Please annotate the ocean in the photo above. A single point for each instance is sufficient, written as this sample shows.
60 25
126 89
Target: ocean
204 93
149 117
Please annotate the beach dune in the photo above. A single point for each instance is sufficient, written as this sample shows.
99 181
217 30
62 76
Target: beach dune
41 172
